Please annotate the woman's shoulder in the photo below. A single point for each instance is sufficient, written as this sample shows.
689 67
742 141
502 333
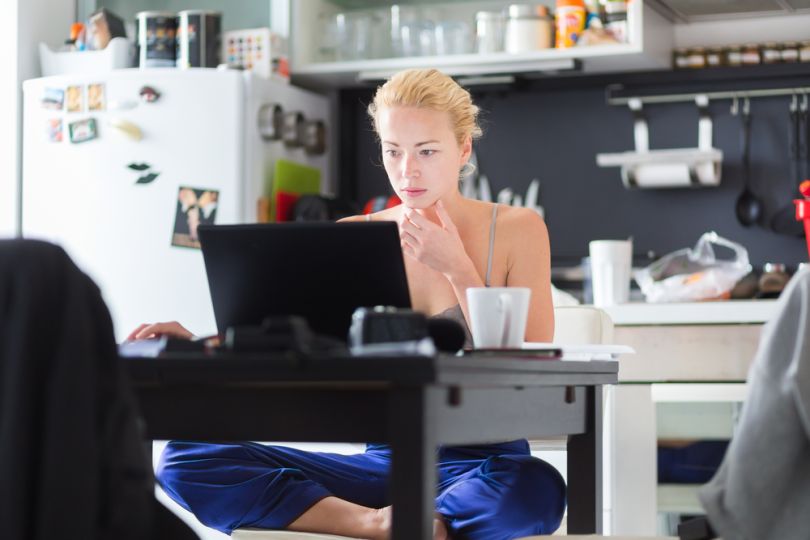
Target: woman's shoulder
521 225
519 217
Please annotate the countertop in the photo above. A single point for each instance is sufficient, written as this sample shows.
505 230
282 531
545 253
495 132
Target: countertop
715 312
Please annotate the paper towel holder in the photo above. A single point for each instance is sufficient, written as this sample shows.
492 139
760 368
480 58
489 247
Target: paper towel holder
668 168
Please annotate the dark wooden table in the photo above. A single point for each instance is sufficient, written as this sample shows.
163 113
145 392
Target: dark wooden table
413 403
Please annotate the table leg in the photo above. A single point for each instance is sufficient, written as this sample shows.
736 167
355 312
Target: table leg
413 469
585 470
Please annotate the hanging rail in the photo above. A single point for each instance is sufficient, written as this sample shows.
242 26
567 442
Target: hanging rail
677 98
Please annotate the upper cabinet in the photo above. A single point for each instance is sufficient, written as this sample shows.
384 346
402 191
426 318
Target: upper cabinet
346 42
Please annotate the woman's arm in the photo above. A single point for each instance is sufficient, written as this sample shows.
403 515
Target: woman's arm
529 265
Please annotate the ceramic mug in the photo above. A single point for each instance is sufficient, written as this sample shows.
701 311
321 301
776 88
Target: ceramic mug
498 316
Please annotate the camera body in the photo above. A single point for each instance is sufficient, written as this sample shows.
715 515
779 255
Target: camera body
384 324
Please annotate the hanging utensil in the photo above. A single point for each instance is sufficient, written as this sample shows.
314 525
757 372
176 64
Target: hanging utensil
505 196
484 191
784 221
749 207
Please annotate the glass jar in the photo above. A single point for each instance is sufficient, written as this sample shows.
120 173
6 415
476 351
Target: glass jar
771 53
528 28
773 279
680 58
750 54
697 57
804 51
790 52
734 55
714 57
489 26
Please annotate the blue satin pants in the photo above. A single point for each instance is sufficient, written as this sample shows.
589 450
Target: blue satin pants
490 492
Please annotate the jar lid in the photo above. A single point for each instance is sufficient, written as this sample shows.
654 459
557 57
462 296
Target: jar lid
571 3
488 15
147 14
527 11
774 267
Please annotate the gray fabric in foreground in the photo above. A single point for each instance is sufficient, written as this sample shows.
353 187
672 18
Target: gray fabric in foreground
762 489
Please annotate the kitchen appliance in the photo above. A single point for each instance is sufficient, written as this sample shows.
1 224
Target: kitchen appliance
172 149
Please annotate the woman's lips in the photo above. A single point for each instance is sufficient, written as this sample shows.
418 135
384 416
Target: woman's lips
413 192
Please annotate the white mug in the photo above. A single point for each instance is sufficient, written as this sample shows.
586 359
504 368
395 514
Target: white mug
611 263
498 316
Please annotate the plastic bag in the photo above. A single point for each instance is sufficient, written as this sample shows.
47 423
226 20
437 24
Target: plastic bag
694 274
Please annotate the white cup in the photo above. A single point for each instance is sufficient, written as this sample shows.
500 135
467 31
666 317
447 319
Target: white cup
611 262
498 316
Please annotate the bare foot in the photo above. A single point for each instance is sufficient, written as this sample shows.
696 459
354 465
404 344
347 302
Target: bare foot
382 519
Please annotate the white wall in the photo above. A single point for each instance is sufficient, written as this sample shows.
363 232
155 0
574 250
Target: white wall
9 150
32 21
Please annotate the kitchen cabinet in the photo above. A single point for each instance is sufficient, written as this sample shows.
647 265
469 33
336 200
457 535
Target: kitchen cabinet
314 60
685 381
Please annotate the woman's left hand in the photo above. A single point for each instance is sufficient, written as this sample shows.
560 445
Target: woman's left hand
437 246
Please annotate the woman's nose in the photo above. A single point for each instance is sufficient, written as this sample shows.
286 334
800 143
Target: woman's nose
409 167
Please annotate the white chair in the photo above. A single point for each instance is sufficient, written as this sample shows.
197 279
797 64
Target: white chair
574 325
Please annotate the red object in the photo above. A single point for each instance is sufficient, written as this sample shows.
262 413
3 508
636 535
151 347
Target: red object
803 211
285 204
375 204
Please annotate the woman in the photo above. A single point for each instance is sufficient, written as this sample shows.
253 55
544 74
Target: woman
426 124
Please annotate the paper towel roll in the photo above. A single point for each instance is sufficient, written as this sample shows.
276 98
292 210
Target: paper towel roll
656 175
669 175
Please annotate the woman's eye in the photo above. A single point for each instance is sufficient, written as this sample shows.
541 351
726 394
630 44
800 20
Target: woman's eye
427 152
391 153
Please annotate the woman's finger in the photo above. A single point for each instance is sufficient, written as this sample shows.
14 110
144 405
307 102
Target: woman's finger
132 335
444 217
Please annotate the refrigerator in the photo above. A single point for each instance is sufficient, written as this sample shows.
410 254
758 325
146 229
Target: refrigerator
119 168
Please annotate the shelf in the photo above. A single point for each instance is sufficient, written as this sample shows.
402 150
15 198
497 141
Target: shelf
651 41
679 499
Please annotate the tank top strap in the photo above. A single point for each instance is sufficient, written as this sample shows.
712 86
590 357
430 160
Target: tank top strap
491 244
368 217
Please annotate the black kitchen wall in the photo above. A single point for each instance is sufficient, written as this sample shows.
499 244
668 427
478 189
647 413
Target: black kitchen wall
553 128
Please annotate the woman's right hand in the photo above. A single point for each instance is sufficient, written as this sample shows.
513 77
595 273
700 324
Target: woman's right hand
155 330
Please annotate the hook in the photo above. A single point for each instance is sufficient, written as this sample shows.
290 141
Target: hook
746 106
804 102
735 106
794 102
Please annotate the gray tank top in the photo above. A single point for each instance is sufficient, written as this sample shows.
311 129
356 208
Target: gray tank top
455 312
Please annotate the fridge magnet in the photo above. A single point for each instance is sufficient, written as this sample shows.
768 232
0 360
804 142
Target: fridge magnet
53 98
149 94
146 176
194 207
55 130
95 97
75 99
83 130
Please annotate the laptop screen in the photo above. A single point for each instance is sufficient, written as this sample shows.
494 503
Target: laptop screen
321 271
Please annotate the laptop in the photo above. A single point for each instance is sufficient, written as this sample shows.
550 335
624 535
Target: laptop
321 271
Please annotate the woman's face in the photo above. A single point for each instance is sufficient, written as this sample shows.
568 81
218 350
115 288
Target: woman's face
420 154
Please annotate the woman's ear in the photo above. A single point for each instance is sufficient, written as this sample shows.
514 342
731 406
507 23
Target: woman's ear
466 150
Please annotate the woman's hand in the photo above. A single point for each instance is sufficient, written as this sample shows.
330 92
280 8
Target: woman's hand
155 330
437 246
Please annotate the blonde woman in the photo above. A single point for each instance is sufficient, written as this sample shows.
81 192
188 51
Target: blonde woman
426 124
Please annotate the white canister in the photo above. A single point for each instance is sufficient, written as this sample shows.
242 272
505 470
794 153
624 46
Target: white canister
528 28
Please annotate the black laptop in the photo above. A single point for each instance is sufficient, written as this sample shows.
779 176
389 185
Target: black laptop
321 271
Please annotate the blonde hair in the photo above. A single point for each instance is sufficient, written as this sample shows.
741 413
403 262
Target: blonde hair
429 89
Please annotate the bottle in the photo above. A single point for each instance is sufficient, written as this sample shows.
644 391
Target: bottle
771 53
571 17
528 28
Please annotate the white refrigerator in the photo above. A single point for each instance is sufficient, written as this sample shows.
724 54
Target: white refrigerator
119 168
